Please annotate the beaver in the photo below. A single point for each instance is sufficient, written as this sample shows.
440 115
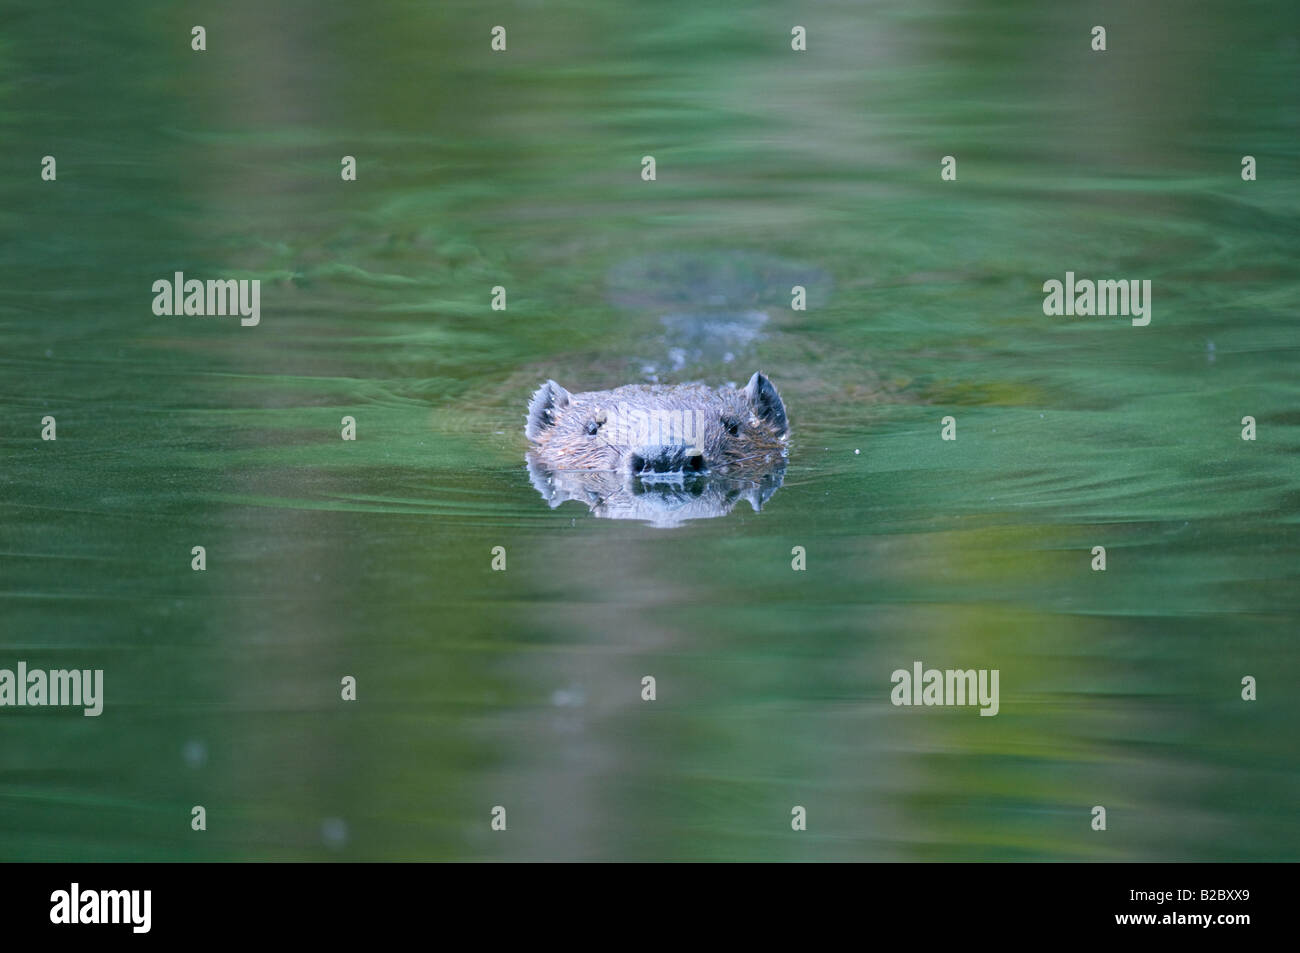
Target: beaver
650 431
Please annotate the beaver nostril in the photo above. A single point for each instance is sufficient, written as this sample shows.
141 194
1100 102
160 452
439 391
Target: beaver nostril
666 461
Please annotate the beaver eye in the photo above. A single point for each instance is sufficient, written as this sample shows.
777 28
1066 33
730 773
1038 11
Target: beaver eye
591 428
732 425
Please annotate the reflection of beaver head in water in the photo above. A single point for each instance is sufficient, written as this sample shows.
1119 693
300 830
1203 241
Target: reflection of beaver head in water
647 431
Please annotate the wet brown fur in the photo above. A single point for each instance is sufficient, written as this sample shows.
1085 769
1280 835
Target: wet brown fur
559 425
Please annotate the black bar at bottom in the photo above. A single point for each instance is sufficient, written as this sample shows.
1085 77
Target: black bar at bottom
332 902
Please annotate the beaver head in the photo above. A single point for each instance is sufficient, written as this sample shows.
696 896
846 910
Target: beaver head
646 431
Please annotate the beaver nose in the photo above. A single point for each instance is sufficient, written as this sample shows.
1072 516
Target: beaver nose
669 459
652 460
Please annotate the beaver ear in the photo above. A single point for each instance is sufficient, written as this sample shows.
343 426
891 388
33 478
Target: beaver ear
549 399
762 396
